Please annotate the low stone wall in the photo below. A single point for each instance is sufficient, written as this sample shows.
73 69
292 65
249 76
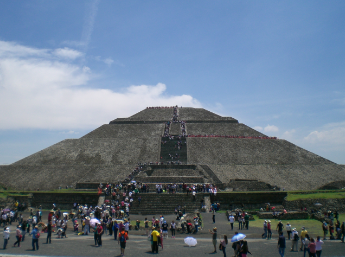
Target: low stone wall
288 216
63 201
248 200
326 205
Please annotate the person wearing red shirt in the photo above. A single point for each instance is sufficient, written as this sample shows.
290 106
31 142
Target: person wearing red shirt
312 248
99 234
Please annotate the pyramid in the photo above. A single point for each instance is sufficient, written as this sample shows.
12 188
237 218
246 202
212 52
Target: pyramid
217 150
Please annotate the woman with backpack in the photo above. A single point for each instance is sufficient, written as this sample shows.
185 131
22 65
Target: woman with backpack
122 239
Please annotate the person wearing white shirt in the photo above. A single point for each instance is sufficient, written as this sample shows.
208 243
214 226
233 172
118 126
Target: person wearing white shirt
288 230
231 219
318 246
6 236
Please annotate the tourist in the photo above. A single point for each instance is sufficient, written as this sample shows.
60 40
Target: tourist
318 246
122 239
312 248
244 249
303 233
173 229
6 236
325 229
342 230
223 244
240 222
99 234
18 236
155 238
269 230
281 244
214 238
246 220
35 236
264 235
306 245
49 232
280 227
295 238
288 230
165 229
231 219
115 228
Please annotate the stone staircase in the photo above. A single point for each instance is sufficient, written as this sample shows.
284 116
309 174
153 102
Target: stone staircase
153 203
170 147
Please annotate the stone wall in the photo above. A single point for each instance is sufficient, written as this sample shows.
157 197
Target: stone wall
248 200
327 204
222 151
237 129
290 177
99 151
127 131
48 177
200 114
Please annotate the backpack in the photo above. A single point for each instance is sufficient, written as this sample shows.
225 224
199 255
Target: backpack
38 235
122 237
296 237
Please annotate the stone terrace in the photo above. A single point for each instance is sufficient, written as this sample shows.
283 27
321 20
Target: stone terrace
97 151
248 151
47 177
290 177
150 115
237 129
127 131
201 115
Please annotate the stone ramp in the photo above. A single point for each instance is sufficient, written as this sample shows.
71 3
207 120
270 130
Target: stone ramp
211 174
249 151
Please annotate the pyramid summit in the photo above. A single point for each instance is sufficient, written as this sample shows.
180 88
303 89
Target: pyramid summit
174 145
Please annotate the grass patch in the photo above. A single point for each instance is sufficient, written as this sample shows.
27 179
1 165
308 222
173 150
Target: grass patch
313 227
318 195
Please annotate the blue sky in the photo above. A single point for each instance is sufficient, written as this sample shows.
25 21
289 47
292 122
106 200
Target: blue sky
67 67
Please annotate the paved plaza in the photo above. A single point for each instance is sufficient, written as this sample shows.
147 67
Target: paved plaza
138 244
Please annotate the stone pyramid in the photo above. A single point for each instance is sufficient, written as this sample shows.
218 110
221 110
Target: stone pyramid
218 150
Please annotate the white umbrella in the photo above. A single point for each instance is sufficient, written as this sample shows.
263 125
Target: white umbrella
191 241
238 237
94 221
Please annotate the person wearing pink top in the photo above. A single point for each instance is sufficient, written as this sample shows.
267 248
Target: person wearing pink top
318 244
312 248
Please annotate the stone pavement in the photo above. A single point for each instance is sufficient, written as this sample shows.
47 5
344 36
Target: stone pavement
138 244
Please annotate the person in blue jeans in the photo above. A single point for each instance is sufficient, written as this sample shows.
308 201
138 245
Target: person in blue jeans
34 234
224 242
6 236
281 244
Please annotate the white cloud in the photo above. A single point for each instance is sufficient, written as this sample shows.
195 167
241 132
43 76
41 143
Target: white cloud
48 93
271 128
289 134
258 128
333 133
67 53
108 61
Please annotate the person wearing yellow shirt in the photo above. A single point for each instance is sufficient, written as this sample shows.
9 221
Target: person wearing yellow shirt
303 233
155 235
